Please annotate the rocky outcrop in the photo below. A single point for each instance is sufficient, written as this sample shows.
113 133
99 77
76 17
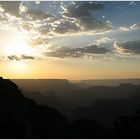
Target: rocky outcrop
21 117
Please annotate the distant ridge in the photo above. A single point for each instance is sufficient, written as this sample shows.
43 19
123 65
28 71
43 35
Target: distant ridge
44 85
106 82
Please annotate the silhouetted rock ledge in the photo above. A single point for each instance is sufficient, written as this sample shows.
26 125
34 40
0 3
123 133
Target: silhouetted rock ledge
7 87
21 117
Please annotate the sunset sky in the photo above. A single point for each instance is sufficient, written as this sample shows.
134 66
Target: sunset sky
72 40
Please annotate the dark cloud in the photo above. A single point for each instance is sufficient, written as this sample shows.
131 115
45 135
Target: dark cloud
27 57
89 23
39 15
82 13
94 49
82 10
18 58
63 52
11 7
92 6
66 26
132 47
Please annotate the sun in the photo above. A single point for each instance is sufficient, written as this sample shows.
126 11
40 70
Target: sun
19 46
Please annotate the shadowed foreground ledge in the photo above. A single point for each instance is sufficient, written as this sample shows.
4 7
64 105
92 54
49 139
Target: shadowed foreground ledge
21 117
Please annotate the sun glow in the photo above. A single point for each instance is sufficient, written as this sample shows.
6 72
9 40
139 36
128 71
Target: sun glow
18 67
19 46
19 52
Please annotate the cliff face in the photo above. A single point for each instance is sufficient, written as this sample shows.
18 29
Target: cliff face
21 117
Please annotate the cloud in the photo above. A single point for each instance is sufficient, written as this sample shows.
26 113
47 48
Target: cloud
132 3
82 10
15 7
11 7
82 15
92 6
66 27
78 18
39 26
18 58
130 28
93 49
135 26
104 40
63 52
125 29
128 47
39 15
92 24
